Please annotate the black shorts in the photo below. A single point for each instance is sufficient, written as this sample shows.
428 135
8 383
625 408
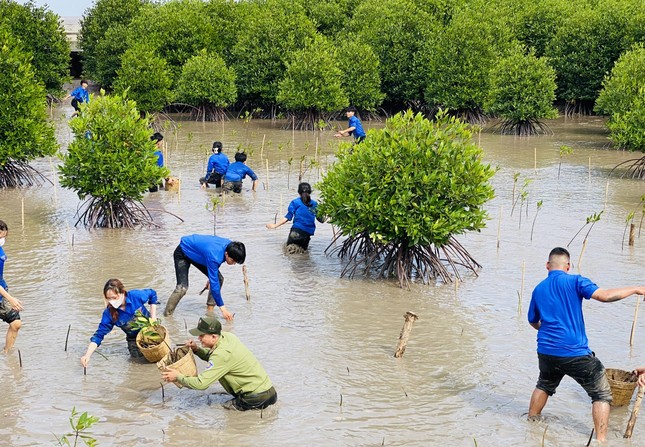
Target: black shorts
7 313
232 186
213 179
75 104
587 370
299 237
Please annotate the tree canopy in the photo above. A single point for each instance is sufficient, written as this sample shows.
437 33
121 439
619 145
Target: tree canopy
25 131
378 195
111 163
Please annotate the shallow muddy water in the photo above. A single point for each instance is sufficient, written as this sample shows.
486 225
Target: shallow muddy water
327 343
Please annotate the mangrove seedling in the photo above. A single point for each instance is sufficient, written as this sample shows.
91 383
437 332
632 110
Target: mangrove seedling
564 150
628 220
539 207
591 220
80 427
149 328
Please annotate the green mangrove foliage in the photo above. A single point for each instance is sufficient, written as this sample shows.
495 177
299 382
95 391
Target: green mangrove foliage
80 430
522 93
207 84
25 132
146 78
402 196
102 37
272 31
396 31
312 84
41 34
111 163
361 82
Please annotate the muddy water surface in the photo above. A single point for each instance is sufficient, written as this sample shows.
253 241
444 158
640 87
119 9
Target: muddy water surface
326 342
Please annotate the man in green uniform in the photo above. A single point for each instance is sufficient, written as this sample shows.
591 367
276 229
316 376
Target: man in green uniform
230 362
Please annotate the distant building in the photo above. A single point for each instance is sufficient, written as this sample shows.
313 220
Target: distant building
72 27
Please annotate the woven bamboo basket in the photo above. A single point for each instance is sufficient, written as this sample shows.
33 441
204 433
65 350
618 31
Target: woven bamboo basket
155 353
185 365
623 384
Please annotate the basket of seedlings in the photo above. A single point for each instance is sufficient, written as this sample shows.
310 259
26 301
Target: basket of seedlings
152 340
182 360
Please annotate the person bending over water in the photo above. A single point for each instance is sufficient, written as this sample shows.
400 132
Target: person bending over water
217 166
120 308
236 173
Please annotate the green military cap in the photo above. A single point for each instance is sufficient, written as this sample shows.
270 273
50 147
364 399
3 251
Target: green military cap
207 325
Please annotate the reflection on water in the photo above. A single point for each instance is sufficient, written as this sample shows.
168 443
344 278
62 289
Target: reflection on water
326 342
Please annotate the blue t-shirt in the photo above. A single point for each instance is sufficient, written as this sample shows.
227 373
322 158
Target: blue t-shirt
218 163
358 131
237 171
3 258
209 252
80 94
159 155
134 300
304 217
557 303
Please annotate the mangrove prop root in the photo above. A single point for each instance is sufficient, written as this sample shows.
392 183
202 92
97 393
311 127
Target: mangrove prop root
98 213
398 259
17 174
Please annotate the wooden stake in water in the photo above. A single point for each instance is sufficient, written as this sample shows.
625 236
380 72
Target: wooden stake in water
521 294
589 169
606 194
22 211
19 358
246 282
280 203
632 234
262 147
67 337
499 226
85 370
631 335
535 159
634 415
410 318
267 164
163 393
582 252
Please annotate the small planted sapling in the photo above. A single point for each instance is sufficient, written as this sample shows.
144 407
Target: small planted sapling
80 426
564 150
539 207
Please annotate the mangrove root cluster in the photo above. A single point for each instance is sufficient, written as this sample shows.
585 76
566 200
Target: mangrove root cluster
16 174
399 259
98 213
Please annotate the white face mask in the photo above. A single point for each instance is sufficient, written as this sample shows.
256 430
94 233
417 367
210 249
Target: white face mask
116 303
2 239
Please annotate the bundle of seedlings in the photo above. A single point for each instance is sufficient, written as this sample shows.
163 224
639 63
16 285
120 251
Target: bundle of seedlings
152 340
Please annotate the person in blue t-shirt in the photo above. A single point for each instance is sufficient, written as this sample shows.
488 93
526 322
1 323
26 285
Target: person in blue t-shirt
120 308
79 96
217 166
9 306
206 253
157 138
354 127
556 312
303 212
236 173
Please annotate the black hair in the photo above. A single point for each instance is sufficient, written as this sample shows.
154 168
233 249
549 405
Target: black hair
3 226
217 145
84 81
240 156
156 137
351 109
236 251
559 251
304 189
